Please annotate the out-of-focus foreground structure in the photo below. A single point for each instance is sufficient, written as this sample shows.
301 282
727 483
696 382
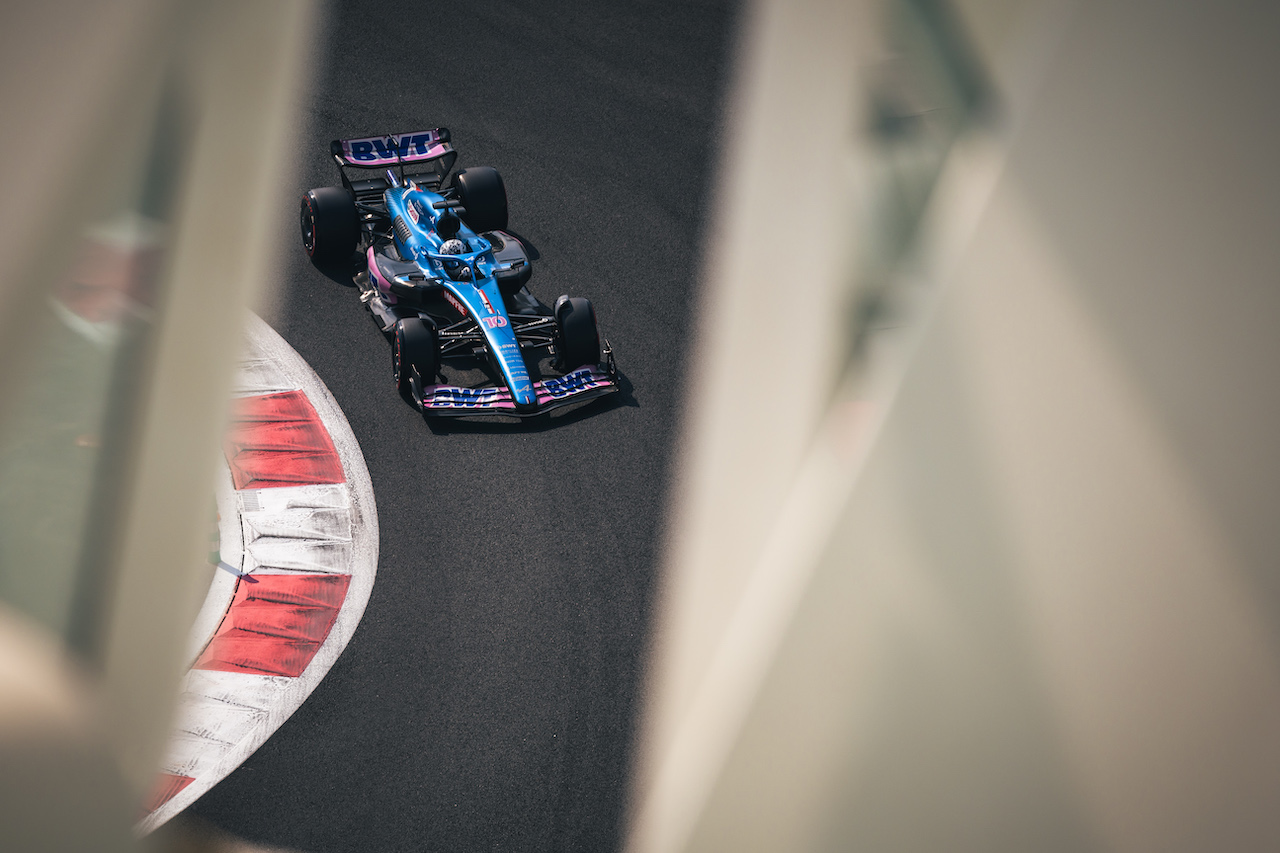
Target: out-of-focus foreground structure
146 140
974 542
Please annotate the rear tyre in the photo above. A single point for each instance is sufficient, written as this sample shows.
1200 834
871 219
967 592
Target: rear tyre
483 196
330 226
414 348
579 339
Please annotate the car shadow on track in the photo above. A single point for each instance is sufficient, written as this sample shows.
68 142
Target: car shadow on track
624 398
342 272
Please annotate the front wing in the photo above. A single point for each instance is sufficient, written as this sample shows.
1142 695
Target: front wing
583 384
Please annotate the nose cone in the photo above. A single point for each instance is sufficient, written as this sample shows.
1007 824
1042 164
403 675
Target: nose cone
526 399
505 347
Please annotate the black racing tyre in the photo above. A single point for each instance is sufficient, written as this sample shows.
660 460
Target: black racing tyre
579 339
483 196
330 226
414 345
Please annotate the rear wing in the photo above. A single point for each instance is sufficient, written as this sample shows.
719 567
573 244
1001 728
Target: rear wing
428 147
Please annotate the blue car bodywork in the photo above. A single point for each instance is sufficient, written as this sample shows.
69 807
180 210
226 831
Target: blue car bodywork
479 294
460 290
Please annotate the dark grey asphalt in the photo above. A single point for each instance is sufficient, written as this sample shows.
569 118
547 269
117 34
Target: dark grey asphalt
488 699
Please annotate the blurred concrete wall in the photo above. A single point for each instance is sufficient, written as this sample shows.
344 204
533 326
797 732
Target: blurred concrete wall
146 141
1004 578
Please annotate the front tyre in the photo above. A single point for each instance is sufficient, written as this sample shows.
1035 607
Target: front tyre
414 348
578 337
483 196
330 226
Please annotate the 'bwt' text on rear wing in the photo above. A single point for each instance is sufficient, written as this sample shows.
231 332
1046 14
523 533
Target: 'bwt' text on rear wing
426 147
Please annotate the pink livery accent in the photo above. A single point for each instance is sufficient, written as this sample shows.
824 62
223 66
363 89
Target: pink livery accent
372 152
494 398
384 286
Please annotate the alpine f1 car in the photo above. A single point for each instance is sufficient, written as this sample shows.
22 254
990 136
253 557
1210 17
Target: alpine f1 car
447 283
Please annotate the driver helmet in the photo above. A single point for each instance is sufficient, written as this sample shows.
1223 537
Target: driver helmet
452 247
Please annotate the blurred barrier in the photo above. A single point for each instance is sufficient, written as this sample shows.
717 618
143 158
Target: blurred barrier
973 546
148 140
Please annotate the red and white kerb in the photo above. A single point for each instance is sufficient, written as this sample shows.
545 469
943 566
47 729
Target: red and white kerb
299 550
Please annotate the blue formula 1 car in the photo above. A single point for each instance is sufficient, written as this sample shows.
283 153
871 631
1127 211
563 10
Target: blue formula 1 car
447 283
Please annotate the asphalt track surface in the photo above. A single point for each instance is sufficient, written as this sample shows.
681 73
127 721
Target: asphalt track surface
489 697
